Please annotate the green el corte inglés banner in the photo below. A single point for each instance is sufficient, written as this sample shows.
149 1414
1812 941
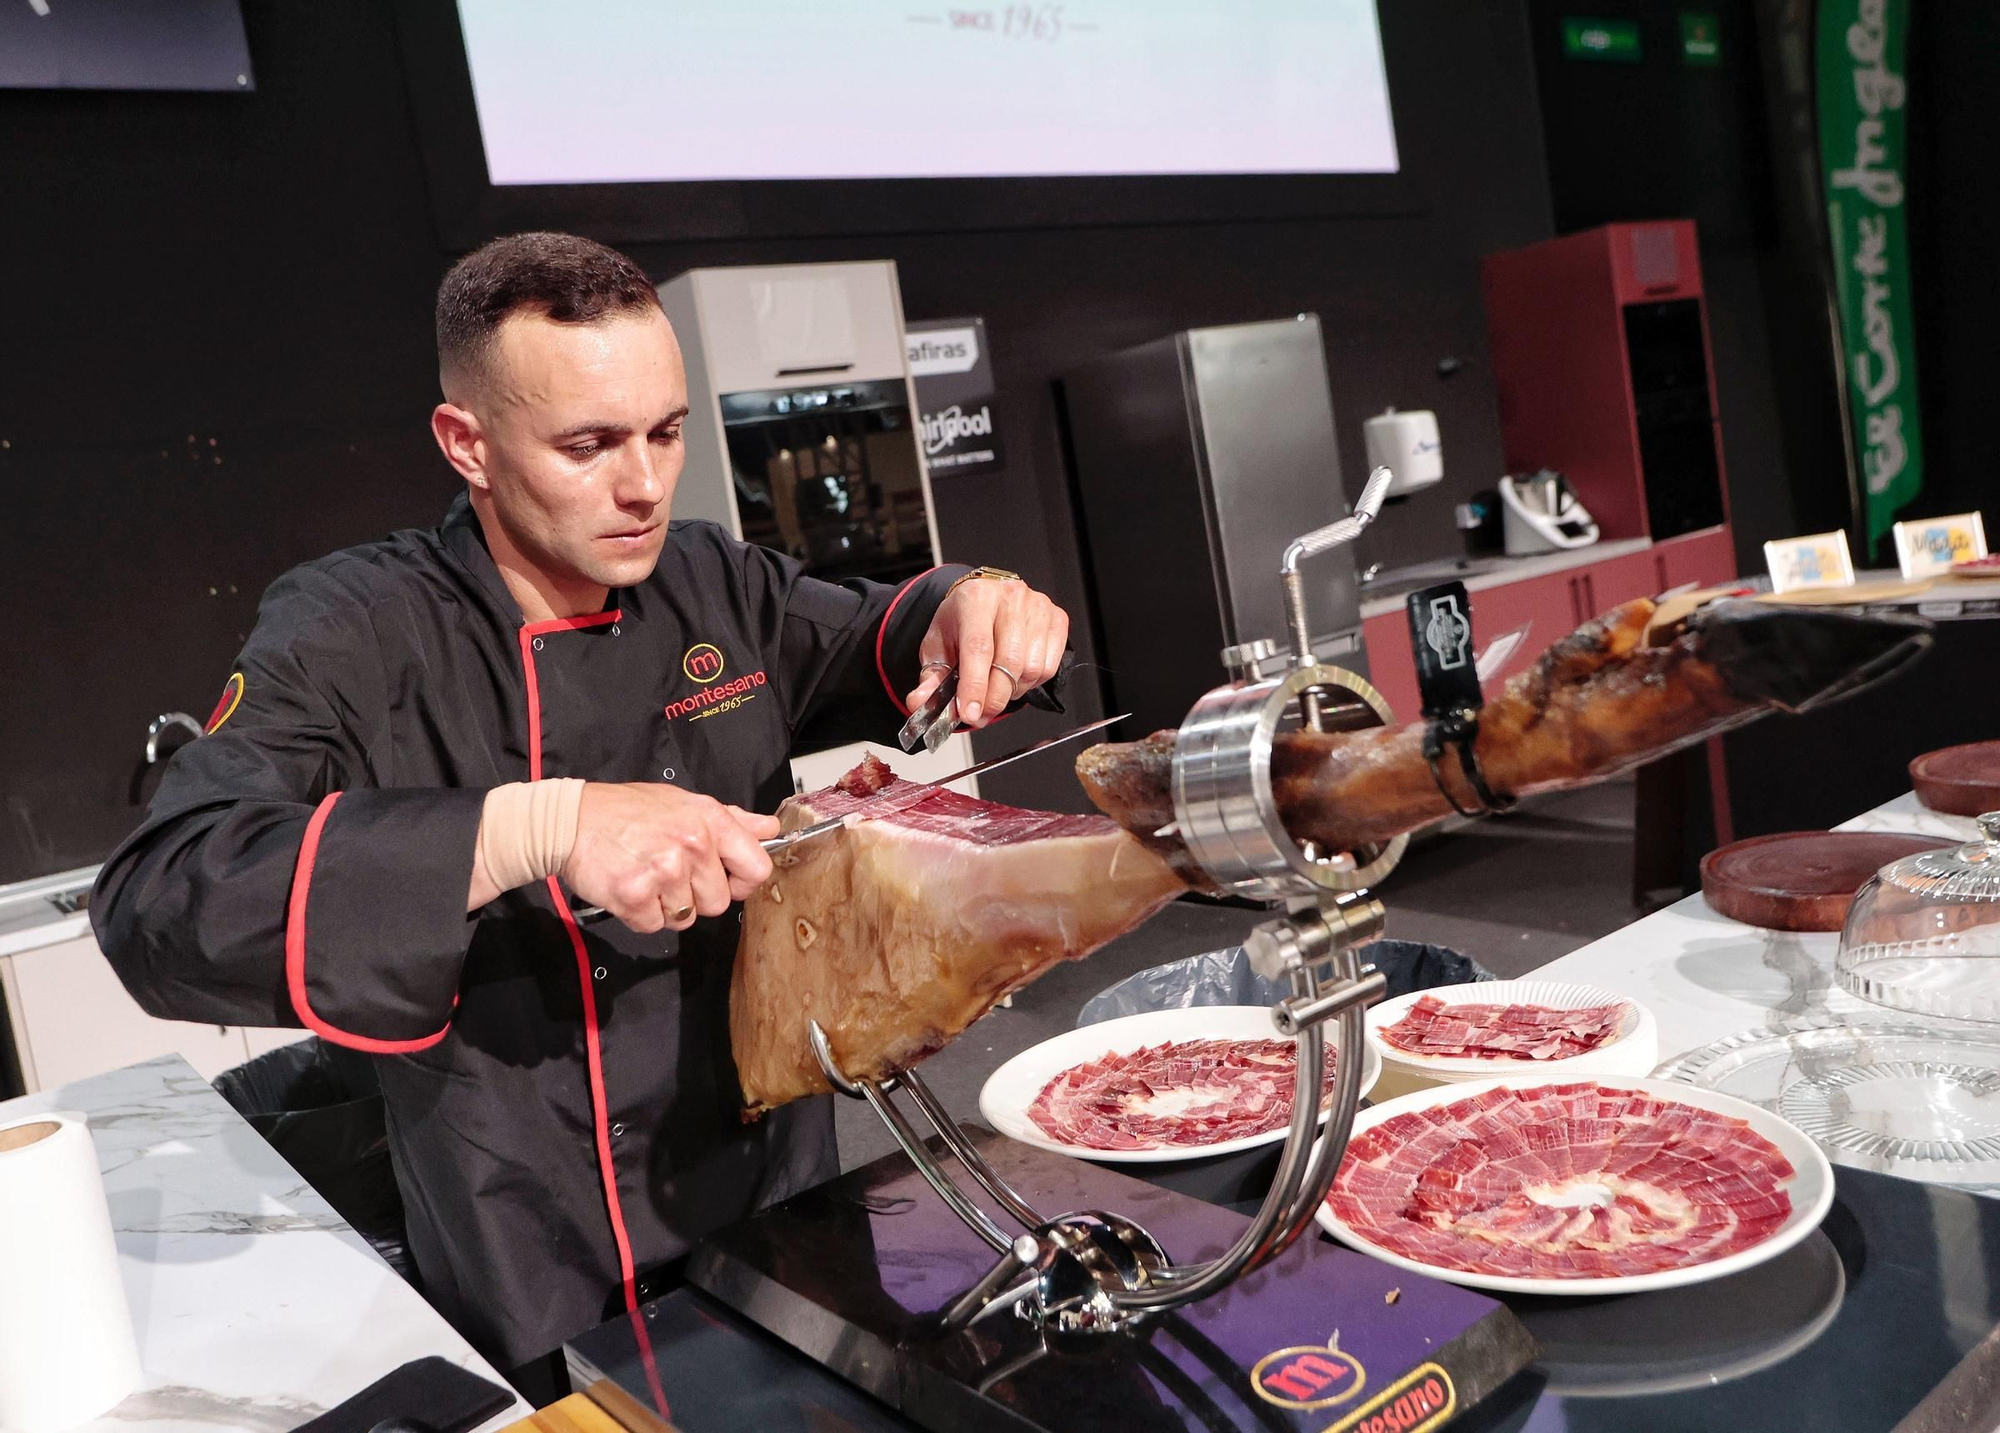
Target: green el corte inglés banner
1859 79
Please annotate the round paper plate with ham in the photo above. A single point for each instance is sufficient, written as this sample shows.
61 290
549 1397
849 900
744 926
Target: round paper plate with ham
1555 1028
1605 1185
1152 1088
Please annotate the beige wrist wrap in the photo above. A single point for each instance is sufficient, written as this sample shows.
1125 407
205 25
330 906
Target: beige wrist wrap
527 829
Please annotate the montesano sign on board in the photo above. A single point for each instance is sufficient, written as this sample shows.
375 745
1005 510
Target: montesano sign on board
1859 78
954 381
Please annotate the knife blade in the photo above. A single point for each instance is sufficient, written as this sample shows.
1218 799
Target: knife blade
887 805
880 806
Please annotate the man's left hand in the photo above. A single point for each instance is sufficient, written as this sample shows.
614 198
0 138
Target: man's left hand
1004 637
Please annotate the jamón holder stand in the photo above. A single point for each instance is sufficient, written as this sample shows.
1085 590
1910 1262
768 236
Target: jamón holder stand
1192 1308
1091 1272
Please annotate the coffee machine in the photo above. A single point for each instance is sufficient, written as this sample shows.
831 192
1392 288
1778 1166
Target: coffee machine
802 436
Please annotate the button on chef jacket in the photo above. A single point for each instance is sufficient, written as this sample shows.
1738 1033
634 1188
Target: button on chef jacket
562 1104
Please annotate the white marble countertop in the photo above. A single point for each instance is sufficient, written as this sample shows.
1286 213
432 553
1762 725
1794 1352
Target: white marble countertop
1706 977
30 920
256 1307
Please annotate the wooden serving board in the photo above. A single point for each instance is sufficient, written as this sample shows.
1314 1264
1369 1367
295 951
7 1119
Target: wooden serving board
604 1407
1800 880
1851 595
1959 780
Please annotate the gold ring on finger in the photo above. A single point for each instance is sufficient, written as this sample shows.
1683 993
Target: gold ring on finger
681 913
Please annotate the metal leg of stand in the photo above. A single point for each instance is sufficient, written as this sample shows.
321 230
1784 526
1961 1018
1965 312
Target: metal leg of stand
912 1145
974 1162
1254 1243
823 1052
1346 1096
981 1222
1025 1252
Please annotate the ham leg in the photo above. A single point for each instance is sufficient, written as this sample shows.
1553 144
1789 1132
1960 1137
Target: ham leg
1598 702
900 931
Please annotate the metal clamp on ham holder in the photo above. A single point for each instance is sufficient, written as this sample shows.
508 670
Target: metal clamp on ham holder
1093 1272
1448 678
1459 730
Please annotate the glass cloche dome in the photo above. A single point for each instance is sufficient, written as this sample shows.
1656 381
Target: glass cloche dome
1924 933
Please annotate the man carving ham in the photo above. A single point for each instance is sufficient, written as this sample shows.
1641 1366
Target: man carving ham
450 742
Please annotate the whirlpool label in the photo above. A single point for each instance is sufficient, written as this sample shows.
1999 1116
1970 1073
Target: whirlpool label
954 382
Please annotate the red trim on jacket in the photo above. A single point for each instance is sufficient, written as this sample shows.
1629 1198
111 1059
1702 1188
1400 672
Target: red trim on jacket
607 1170
571 624
882 631
530 631
295 953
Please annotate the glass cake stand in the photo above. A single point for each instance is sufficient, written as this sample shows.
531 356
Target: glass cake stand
1922 1103
1923 934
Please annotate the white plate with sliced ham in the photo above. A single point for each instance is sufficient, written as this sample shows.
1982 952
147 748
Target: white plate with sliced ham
1482 1029
1147 1089
1607 1185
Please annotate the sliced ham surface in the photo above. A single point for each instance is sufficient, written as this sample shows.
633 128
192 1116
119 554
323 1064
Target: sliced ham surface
1569 1181
1185 1093
1437 1030
901 930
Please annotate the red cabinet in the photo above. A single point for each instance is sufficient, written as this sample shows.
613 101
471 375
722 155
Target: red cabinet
1391 668
1605 585
1707 559
1546 605
1552 605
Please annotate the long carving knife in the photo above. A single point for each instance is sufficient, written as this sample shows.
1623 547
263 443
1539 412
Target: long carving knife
890 804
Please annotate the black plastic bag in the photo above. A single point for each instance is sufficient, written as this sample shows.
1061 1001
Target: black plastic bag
1224 977
321 1108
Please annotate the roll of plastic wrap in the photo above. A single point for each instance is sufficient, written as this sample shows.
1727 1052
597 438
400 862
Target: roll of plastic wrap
66 1347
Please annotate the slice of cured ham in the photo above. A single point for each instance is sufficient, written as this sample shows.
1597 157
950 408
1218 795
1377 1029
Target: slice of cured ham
1437 1030
901 930
1183 1093
1571 1181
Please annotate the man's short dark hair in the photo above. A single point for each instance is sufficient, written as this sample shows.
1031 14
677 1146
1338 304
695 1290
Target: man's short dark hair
559 276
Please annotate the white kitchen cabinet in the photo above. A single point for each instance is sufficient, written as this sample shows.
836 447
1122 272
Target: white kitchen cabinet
72 1019
783 325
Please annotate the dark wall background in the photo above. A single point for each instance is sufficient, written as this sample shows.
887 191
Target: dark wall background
1954 220
217 321
1729 146
1664 139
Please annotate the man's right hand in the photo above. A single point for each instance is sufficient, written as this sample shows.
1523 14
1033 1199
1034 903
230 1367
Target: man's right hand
656 857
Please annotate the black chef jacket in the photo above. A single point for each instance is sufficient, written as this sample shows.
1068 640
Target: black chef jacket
561 1099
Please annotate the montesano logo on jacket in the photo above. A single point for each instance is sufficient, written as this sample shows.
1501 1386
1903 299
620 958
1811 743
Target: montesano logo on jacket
704 662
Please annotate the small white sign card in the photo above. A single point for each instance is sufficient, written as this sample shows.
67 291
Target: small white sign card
1927 547
1819 559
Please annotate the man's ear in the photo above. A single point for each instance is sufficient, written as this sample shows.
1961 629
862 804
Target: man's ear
460 439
